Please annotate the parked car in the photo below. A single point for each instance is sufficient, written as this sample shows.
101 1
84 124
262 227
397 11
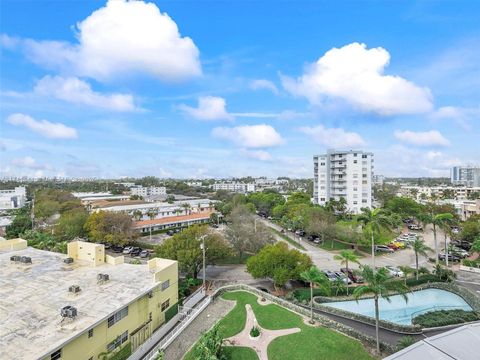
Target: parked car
343 277
330 275
458 251
383 248
127 250
455 229
451 257
117 249
107 245
317 241
415 227
400 244
462 244
145 254
408 220
356 278
394 271
135 251
393 246
170 232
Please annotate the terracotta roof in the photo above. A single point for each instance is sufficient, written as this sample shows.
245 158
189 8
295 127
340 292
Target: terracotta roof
172 219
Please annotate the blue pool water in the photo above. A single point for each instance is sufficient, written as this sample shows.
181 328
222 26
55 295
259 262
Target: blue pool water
400 312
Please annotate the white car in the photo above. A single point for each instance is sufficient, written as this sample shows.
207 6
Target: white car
128 249
393 271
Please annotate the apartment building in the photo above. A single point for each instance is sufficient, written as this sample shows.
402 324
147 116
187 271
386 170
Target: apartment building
234 187
344 174
465 175
148 191
13 198
429 193
378 180
81 305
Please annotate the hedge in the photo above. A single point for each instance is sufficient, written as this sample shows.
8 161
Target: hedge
171 312
445 317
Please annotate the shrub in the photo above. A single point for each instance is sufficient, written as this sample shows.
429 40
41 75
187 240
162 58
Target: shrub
444 317
404 342
210 346
255 332
472 263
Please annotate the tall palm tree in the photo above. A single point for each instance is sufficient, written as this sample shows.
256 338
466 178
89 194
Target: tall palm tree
445 222
137 215
315 276
420 248
379 285
186 207
406 270
374 221
346 257
152 214
437 220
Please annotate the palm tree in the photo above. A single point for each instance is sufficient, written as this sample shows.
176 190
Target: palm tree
186 207
137 215
445 223
406 270
379 284
345 257
376 221
152 214
437 220
338 284
315 276
420 248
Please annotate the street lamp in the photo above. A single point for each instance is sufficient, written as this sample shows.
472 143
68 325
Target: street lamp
202 246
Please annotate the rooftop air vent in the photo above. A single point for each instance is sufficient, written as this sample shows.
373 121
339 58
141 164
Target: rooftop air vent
68 312
15 258
68 260
101 278
26 259
74 289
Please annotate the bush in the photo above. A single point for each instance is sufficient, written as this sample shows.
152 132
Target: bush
255 332
171 312
210 346
405 342
304 294
472 263
444 317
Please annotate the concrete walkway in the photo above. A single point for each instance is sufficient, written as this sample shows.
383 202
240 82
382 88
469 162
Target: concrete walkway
259 344
204 322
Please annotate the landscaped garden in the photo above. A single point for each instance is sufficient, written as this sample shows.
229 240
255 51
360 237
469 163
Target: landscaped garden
311 342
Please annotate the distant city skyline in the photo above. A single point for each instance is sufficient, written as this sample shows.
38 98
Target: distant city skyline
230 89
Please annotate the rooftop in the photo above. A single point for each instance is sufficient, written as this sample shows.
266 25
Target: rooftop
172 219
31 296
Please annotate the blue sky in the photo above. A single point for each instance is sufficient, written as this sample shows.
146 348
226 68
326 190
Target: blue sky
233 88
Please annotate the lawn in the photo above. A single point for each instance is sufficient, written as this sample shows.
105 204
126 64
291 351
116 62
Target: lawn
310 343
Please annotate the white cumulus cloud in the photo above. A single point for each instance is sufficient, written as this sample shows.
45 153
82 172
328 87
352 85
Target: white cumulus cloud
250 136
43 127
209 108
333 137
422 138
74 90
356 74
257 154
123 37
260 84
29 163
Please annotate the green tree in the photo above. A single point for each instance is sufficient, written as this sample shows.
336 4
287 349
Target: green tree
185 247
71 224
378 284
108 226
374 221
403 206
278 263
436 220
315 277
347 257
470 229
137 215
19 225
420 248
210 346
476 245
406 271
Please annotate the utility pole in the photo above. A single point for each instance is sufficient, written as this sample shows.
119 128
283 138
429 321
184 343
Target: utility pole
202 246
32 215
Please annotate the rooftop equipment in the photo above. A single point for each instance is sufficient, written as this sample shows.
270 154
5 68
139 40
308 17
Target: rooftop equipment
68 312
68 260
101 278
74 289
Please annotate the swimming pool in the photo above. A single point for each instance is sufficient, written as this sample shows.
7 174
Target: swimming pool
400 312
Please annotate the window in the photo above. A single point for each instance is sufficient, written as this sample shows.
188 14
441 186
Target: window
354 161
118 341
355 189
119 315
165 284
355 203
364 182
355 176
364 201
364 156
56 355
165 305
364 175
355 196
322 164
355 154
322 199
90 333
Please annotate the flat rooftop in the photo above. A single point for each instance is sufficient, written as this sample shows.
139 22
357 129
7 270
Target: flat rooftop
32 295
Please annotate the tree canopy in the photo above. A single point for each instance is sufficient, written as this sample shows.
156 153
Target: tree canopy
108 226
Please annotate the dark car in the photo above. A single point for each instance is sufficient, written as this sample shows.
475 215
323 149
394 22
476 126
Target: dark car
117 249
135 251
330 275
462 244
450 257
170 232
352 275
145 254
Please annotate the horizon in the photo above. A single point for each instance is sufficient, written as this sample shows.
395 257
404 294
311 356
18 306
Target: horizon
189 90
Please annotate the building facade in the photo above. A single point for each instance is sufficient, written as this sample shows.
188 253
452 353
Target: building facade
234 187
344 174
105 314
13 199
465 175
148 191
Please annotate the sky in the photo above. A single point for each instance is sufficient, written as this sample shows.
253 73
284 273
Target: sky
199 89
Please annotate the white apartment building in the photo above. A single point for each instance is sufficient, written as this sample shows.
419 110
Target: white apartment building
465 175
429 193
343 174
378 180
234 187
13 199
148 191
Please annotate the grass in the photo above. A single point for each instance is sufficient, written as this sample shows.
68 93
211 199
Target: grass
331 244
310 343
287 239
233 260
240 353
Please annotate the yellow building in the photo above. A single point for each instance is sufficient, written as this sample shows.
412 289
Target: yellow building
113 313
